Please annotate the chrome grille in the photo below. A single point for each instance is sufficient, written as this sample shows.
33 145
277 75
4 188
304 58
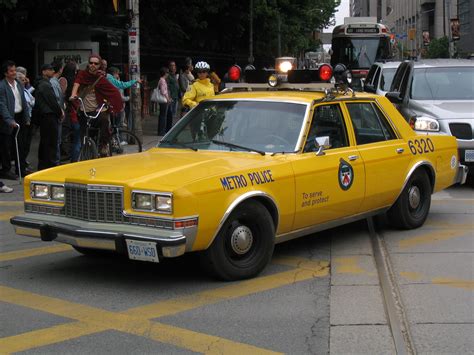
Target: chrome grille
96 203
461 130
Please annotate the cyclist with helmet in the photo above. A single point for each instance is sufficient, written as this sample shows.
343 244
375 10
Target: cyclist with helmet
202 87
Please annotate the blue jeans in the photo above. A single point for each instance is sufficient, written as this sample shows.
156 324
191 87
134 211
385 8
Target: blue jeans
76 141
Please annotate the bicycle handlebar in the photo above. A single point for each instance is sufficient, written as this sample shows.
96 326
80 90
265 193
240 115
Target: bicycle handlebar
101 108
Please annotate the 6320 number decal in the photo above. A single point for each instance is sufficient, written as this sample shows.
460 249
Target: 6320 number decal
420 146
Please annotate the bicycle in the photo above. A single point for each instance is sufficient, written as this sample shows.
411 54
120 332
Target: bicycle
119 136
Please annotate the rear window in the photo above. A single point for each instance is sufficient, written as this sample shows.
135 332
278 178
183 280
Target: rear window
456 83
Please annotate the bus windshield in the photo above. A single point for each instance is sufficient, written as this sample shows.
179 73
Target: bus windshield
359 53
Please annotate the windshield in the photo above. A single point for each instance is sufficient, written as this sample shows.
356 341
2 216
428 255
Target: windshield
454 83
358 53
259 126
387 77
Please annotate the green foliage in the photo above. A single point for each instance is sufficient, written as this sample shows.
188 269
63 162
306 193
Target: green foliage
438 48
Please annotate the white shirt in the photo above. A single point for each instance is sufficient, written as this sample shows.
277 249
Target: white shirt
16 93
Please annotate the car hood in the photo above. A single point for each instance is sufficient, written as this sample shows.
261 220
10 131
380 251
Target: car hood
444 109
167 168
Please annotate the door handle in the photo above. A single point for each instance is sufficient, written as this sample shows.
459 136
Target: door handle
353 157
400 150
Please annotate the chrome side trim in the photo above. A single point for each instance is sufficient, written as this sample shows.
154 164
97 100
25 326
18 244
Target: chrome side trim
238 201
92 243
413 168
332 224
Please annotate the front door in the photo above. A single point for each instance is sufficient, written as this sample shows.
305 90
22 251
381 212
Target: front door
328 186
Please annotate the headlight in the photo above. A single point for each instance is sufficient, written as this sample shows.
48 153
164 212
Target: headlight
40 191
163 203
57 193
285 66
426 124
153 202
143 201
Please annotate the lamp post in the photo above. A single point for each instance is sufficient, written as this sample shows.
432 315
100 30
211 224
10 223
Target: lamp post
251 58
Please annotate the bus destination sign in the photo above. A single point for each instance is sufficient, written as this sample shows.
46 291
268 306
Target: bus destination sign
363 30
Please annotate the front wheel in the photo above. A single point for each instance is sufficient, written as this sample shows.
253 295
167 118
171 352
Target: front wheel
412 206
244 245
88 150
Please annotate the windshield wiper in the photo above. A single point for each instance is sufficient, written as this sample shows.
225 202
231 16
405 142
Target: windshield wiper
182 145
232 145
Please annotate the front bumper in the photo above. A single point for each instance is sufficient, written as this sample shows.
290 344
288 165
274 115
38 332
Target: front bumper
461 174
98 235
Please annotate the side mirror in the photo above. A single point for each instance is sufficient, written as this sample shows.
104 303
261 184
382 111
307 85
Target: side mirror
369 88
394 97
321 143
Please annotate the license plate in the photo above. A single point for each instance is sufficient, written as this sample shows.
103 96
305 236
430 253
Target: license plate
145 251
469 155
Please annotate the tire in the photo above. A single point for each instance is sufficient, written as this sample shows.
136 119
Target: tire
134 145
88 150
232 258
413 205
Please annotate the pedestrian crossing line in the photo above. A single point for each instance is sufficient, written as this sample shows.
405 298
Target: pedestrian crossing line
432 237
348 265
456 283
5 216
27 253
137 321
11 203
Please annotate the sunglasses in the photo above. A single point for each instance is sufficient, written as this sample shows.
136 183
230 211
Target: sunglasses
94 63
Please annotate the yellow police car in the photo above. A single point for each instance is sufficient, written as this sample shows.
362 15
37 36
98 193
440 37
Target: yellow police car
259 164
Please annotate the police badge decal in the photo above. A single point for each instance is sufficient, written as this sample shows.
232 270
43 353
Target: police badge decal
345 175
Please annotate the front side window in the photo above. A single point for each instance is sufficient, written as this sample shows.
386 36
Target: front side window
235 125
370 125
327 121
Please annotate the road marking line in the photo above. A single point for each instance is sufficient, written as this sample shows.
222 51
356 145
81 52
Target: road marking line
466 284
137 320
5 216
413 276
430 238
21 254
348 265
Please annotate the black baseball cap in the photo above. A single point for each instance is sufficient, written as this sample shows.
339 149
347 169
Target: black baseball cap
47 67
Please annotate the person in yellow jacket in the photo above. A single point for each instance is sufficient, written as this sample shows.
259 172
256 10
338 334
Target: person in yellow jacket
201 89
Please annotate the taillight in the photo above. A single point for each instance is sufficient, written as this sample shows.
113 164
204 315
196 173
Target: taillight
234 73
325 72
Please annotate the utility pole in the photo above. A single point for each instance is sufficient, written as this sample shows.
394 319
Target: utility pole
134 66
251 57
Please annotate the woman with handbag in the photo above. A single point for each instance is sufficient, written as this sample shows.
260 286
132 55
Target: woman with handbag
163 100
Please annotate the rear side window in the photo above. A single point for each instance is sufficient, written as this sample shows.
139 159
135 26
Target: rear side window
370 125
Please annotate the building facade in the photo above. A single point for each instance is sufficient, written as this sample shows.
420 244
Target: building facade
416 22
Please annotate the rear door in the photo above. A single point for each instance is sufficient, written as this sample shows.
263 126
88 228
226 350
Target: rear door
384 154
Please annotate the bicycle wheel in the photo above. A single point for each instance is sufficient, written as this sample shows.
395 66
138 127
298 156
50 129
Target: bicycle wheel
88 150
125 142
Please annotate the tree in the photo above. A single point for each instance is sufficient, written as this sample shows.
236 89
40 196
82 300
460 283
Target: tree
438 48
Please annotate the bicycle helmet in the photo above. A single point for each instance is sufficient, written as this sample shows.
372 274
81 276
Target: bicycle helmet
202 66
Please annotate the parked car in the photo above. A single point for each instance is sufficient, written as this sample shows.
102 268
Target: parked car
380 77
437 97
243 171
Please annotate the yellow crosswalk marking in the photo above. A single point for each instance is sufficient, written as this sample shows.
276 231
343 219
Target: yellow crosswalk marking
21 254
432 237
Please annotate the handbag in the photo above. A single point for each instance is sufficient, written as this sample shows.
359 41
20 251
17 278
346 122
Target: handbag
156 96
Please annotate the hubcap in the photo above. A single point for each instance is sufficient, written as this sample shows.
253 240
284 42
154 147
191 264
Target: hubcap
241 240
414 197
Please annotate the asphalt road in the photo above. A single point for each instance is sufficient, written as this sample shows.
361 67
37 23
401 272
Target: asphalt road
321 294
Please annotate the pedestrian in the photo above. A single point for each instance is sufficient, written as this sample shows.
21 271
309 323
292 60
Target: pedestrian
173 90
13 112
163 88
50 116
215 80
59 93
5 188
201 89
71 120
30 129
94 89
186 78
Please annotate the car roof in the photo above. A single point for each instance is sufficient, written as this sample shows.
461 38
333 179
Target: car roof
435 63
388 64
286 95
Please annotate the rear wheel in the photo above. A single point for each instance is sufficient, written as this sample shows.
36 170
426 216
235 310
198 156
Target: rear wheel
413 205
88 150
244 245
125 142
